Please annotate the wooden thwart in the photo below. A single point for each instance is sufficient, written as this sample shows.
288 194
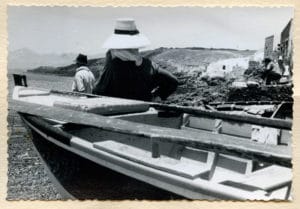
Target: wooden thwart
280 154
163 163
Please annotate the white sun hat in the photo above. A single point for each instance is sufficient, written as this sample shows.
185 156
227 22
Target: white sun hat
126 36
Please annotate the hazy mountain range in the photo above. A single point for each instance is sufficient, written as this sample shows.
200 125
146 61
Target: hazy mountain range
171 59
25 59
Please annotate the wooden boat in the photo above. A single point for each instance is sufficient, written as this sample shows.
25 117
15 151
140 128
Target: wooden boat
188 151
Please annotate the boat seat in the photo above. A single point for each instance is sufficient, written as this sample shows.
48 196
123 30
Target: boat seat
164 163
286 137
244 130
221 126
230 167
104 105
274 179
269 178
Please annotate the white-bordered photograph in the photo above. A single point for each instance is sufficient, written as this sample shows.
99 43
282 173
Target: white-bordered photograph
150 103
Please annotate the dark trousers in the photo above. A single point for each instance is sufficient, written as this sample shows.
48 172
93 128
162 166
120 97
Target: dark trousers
271 76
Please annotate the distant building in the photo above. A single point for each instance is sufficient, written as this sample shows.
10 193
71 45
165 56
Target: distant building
268 51
280 44
286 42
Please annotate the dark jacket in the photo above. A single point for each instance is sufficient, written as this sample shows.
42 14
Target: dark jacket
126 80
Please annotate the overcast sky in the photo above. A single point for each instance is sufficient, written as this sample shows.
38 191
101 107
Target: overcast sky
84 29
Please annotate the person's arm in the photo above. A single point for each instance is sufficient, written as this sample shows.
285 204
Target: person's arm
165 81
102 85
74 88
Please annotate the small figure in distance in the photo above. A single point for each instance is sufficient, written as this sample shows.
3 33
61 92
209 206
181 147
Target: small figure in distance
129 75
84 79
271 72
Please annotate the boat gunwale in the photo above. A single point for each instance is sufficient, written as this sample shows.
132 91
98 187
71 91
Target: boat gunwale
270 122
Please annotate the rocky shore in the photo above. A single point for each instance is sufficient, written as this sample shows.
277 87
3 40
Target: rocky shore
27 178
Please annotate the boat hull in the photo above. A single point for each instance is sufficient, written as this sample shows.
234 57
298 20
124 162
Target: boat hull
196 188
114 163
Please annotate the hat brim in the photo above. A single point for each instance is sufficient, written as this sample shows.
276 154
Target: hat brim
117 41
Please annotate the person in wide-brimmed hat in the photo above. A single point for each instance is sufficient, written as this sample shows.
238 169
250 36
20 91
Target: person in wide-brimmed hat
126 73
84 79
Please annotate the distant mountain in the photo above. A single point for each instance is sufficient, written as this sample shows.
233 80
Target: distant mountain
196 57
24 59
96 66
172 59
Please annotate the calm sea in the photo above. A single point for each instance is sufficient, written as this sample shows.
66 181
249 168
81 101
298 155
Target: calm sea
47 81
42 81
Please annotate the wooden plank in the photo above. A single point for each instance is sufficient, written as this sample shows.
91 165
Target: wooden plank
235 164
280 154
99 105
286 137
270 177
276 123
143 157
236 129
33 92
75 93
203 123
227 127
104 105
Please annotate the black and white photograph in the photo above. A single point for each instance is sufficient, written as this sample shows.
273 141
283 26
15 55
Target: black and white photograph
150 103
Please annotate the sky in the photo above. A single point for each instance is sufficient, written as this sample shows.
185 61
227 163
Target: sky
84 29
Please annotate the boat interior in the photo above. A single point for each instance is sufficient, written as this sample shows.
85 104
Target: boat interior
191 163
